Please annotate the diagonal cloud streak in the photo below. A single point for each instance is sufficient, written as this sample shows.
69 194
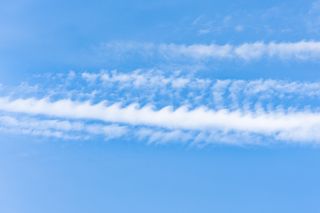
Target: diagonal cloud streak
271 123
160 107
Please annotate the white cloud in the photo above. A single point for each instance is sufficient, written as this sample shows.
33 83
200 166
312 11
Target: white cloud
300 50
164 136
276 124
63 129
165 107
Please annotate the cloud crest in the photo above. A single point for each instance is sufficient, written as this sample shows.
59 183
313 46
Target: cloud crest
178 107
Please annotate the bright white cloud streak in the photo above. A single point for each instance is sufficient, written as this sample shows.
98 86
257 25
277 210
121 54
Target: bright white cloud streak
290 125
159 107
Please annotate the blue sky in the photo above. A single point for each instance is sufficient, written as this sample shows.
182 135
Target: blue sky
159 106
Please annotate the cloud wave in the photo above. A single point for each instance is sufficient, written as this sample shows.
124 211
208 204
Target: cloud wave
163 107
279 124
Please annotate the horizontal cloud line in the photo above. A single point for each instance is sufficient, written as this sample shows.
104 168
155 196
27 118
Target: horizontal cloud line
64 129
172 88
302 124
153 105
81 130
301 50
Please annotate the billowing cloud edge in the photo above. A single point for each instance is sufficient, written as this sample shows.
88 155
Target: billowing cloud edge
203 110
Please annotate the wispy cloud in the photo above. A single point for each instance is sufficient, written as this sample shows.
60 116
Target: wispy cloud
300 50
57 128
174 88
312 18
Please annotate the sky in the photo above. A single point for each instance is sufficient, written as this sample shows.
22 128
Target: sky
159 106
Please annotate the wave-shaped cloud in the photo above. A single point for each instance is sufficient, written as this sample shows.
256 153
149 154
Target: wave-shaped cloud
202 110
181 118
